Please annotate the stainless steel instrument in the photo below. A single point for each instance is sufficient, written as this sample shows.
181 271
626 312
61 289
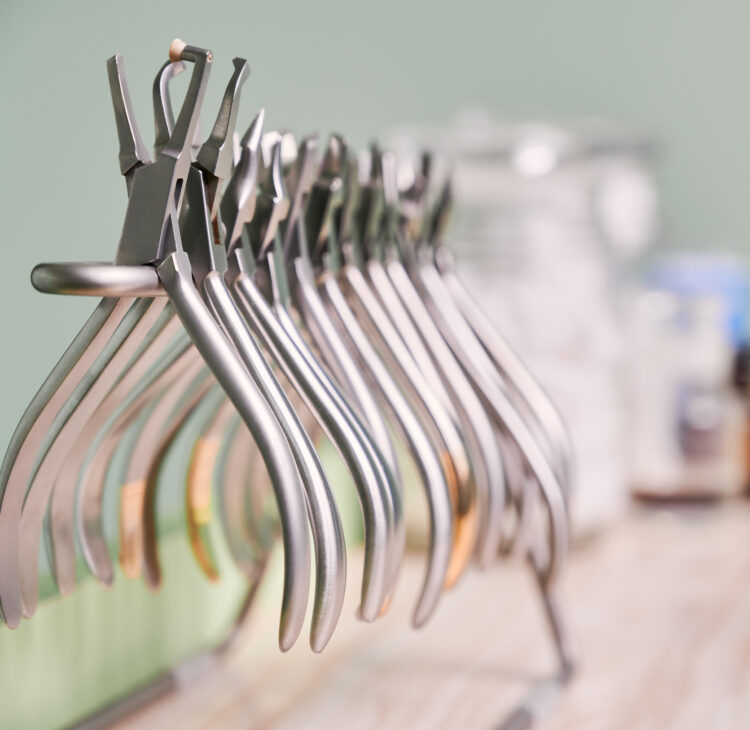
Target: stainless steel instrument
267 297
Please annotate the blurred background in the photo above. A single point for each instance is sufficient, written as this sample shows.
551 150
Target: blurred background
600 157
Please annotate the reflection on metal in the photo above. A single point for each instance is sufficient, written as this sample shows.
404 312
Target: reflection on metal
340 287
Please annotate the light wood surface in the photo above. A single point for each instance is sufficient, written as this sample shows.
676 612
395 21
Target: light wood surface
660 605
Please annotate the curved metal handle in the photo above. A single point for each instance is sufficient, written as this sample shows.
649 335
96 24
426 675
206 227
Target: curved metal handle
474 360
88 498
330 343
223 361
248 542
199 390
377 462
101 377
59 535
328 340
480 437
429 466
434 417
27 438
184 382
328 533
375 504
202 469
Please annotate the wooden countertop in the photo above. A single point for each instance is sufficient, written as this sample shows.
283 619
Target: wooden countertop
660 605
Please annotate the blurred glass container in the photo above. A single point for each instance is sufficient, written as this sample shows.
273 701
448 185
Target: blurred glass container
690 425
545 214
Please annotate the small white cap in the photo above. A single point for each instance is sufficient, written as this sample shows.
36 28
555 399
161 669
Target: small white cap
176 47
